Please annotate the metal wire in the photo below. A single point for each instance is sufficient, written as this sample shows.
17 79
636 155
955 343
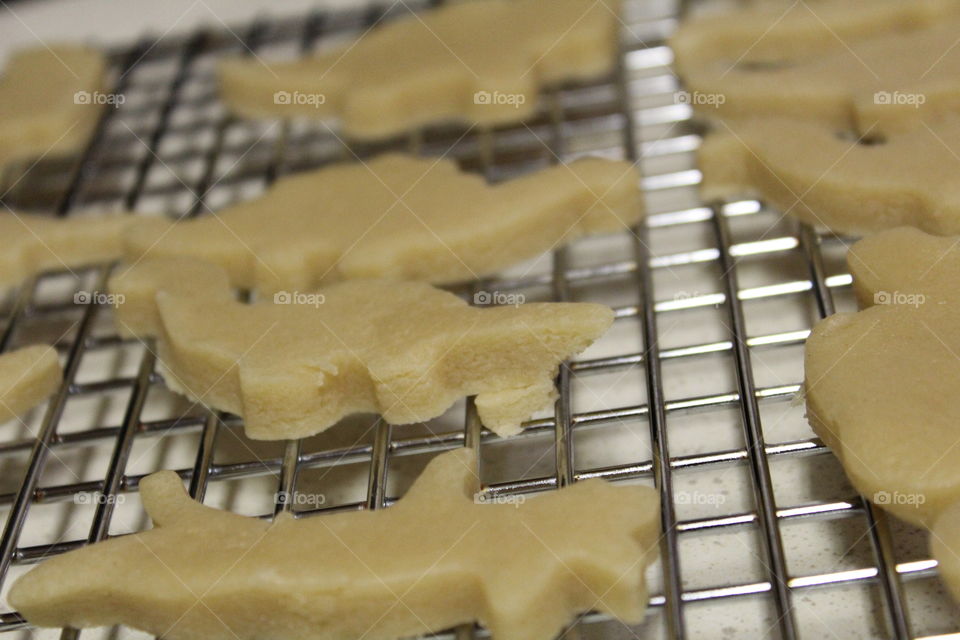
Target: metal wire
496 154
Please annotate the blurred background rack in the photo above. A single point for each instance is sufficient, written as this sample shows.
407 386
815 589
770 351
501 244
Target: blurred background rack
694 390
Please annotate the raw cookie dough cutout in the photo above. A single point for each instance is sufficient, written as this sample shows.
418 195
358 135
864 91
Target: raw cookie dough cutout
30 244
892 82
44 105
295 364
778 33
523 570
401 217
27 377
825 179
881 383
478 62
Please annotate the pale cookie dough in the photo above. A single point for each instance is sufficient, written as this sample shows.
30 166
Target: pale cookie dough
778 33
434 560
27 377
44 105
892 82
825 179
401 217
30 244
881 383
295 364
478 62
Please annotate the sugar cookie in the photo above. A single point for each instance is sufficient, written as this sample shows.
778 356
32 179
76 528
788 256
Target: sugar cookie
808 170
478 62
50 101
771 33
401 217
27 377
30 244
880 383
433 560
892 82
295 365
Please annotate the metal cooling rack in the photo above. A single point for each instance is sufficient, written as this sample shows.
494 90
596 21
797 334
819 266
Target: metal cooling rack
694 390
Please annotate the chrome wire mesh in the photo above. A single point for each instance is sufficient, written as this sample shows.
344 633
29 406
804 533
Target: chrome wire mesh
698 380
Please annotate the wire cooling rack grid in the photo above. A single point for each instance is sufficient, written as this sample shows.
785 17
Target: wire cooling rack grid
765 538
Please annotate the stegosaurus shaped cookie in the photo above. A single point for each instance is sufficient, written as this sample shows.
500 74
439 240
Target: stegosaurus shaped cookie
401 217
479 62
434 560
293 366
881 383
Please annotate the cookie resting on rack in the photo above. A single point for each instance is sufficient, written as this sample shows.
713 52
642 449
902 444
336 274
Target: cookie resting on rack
50 101
27 377
847 185
295 364
401 217
475 62
881 383
891 82
780 33
32 243
438 558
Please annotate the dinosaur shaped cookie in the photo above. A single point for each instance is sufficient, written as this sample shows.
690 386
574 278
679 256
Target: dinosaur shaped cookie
891 82
781 33
30 244
434 560
27 377
881 383
295 364
477 62
849 186
398 216
49 101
